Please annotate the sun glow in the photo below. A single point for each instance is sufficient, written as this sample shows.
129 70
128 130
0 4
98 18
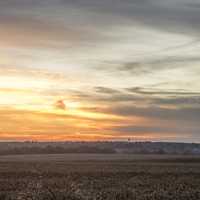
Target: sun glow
70 105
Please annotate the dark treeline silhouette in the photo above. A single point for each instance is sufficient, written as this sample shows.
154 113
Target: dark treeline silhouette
15 148
54 150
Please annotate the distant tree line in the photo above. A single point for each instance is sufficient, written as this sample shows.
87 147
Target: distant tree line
98 148
55 150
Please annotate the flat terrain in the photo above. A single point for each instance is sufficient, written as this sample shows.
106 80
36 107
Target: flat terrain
99 176
95 157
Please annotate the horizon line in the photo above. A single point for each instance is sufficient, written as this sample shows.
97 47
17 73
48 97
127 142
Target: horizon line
95 141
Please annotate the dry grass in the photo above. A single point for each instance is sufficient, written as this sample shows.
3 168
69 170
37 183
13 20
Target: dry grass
100 180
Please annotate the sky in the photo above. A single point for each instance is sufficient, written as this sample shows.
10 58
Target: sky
100 70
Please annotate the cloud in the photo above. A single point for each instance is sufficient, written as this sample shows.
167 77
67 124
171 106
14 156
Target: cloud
106 90
32 32
172 16
162 131
20 71
151 65
60 104
152 112
157 129
168 97
106 96
178 101
153 91
138 96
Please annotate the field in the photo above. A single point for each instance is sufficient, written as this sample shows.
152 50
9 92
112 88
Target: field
96 177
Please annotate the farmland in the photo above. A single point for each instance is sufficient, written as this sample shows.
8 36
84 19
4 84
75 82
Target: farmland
106 177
